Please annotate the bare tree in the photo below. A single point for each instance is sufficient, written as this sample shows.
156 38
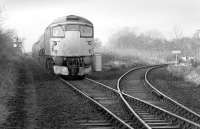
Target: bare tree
178 32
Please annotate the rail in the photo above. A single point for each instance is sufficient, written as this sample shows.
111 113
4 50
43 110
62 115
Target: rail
113 118
140 123
179 108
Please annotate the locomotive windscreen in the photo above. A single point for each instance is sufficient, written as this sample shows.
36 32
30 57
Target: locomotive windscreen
58 31
85 31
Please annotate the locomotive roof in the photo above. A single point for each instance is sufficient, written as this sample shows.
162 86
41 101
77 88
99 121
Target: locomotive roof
71 18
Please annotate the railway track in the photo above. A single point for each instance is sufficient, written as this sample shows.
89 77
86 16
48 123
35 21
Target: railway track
105 101
122 110
175 107
135 91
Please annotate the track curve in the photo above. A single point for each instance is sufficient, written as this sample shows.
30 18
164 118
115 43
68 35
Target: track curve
150 110
181 122
177 108
140 114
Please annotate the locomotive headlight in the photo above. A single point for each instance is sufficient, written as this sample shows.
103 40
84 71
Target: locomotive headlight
87 60
55 43
60 70
64 70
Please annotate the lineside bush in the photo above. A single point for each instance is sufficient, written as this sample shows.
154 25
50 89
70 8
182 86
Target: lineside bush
8 72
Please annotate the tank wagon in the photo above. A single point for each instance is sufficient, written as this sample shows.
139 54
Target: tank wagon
67 46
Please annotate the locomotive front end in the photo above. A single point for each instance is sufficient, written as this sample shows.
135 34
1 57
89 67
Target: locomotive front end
71 46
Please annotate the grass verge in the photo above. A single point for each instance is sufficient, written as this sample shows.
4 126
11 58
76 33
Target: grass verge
8 77
187 93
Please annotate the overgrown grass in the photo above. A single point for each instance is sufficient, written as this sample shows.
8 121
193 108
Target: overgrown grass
8 77
185 92
8 72
188 73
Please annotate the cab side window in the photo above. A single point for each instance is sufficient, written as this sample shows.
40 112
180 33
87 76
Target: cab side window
42 52
58 31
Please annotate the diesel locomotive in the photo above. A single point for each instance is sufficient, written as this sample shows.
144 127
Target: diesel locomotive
67 47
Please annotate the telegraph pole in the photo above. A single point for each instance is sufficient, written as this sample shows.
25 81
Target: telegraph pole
18 45
176 52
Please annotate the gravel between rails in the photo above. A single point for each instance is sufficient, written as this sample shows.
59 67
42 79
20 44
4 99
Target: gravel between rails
108 98
188 124
133 84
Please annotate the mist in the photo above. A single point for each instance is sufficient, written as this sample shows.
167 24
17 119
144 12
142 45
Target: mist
152 46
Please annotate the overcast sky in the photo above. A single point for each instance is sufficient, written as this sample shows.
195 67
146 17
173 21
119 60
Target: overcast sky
30 17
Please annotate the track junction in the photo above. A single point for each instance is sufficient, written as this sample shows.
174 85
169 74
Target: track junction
134 104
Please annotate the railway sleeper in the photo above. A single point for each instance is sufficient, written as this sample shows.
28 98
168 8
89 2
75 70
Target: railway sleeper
166 127
148 116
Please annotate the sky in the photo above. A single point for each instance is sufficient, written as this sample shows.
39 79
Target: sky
29 18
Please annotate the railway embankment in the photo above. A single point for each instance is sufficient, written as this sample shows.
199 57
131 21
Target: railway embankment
176 87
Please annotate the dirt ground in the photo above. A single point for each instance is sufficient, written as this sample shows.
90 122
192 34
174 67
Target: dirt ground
186 93
41 101
111 76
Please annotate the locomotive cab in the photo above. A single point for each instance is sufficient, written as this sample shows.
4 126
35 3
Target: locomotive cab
67 46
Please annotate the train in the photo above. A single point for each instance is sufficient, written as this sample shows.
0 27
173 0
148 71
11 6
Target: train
67 47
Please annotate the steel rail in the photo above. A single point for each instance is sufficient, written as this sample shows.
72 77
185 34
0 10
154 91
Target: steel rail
159 111
4 127
184 123
179 108
114 119
140 122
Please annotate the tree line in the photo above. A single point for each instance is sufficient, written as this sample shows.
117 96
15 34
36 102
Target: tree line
155 42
